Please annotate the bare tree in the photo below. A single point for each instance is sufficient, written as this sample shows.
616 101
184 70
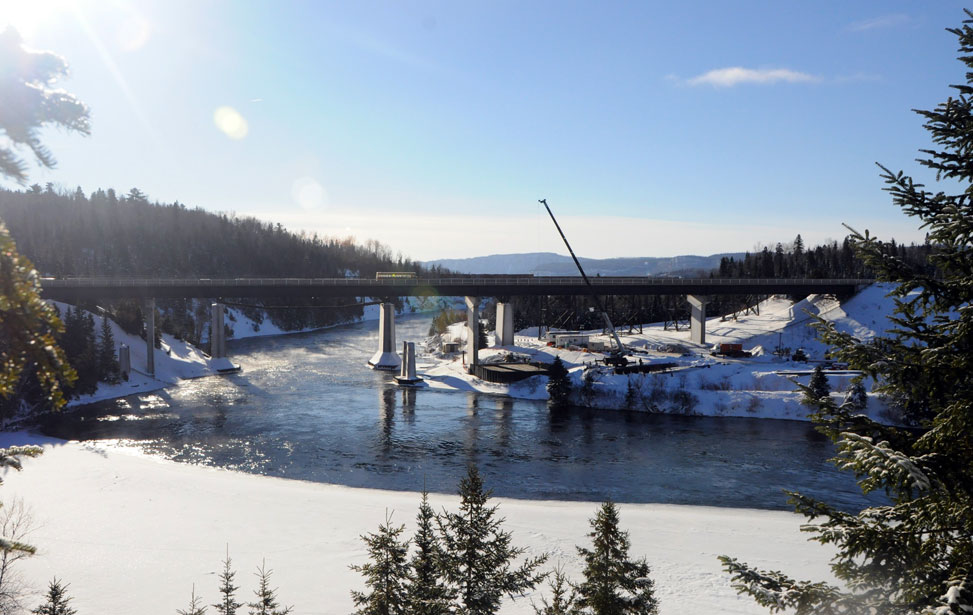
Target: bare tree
16 524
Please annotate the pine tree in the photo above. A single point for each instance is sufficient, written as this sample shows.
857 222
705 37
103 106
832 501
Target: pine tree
227 604
266 602
857 397
195 606
613 584
386 574
558 383
818 388
427 593
915 554
562 598
631 395
57 601
108 369
479 559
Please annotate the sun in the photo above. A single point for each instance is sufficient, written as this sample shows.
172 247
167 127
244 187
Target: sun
29 15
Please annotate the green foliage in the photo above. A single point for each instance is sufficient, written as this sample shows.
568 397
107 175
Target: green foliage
427 592
558 383
227 604
386 573
266 602
613 584
479 560
915 554
57 601
195 605
28 326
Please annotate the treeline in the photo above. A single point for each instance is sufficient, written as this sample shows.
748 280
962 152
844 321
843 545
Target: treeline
830 260
108 234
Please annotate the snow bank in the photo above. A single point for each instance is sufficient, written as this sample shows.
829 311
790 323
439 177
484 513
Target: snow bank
132 534
700 384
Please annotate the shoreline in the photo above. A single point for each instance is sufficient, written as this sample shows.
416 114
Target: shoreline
165 526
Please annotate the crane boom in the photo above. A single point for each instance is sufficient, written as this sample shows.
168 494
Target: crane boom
594 295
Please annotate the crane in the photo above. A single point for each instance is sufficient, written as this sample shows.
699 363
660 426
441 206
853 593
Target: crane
617 357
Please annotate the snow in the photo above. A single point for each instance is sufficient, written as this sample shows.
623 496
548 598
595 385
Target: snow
133 534
176 360
701 384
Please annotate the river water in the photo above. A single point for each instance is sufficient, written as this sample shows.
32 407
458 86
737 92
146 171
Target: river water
307 407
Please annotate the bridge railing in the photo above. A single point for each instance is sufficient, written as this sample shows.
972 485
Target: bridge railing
450 281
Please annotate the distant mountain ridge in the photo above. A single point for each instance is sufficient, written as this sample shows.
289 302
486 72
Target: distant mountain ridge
551 264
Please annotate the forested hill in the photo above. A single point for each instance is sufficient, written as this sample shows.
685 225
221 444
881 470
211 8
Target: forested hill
107 235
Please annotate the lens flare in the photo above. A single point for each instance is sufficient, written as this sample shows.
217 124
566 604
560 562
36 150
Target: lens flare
308 193
230 122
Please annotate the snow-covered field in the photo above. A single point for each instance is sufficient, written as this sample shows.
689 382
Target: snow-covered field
701 384
133 534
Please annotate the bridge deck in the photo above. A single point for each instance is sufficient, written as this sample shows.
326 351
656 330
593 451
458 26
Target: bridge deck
68 289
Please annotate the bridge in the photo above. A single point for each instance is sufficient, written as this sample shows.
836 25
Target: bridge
697 291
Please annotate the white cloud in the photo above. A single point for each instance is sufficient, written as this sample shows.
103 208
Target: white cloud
736 75
885 21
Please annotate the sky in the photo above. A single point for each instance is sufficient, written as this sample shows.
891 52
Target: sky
651 128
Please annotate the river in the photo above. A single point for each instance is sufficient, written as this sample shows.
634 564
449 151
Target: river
306 407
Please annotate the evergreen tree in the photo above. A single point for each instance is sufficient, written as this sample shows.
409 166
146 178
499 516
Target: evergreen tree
195 606
57 601
108 369
427 593
562 598
818 388
631 395
915 554
558 383
613 584
266 602
857 398
227 604
479 559
386 574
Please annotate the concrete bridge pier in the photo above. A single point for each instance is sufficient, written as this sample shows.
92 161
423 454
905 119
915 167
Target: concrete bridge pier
217 332
472 332
150 336
505 324
385 357
697 318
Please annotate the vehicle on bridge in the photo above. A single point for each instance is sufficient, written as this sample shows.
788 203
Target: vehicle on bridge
396 275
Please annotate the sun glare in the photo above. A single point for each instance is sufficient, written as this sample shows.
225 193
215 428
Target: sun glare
29 15
230 122
308 193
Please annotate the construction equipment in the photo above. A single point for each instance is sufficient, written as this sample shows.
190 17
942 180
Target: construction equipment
616 357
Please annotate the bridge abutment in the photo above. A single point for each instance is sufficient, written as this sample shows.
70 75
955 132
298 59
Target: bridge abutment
472 332
385 357
505 324
697 318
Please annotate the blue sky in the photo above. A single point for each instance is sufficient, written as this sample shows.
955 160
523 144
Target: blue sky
652 128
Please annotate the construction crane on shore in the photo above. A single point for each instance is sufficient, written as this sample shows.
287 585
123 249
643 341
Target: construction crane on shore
616 354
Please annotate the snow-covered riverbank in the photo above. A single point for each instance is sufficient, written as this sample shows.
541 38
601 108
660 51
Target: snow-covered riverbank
761 386
133 534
